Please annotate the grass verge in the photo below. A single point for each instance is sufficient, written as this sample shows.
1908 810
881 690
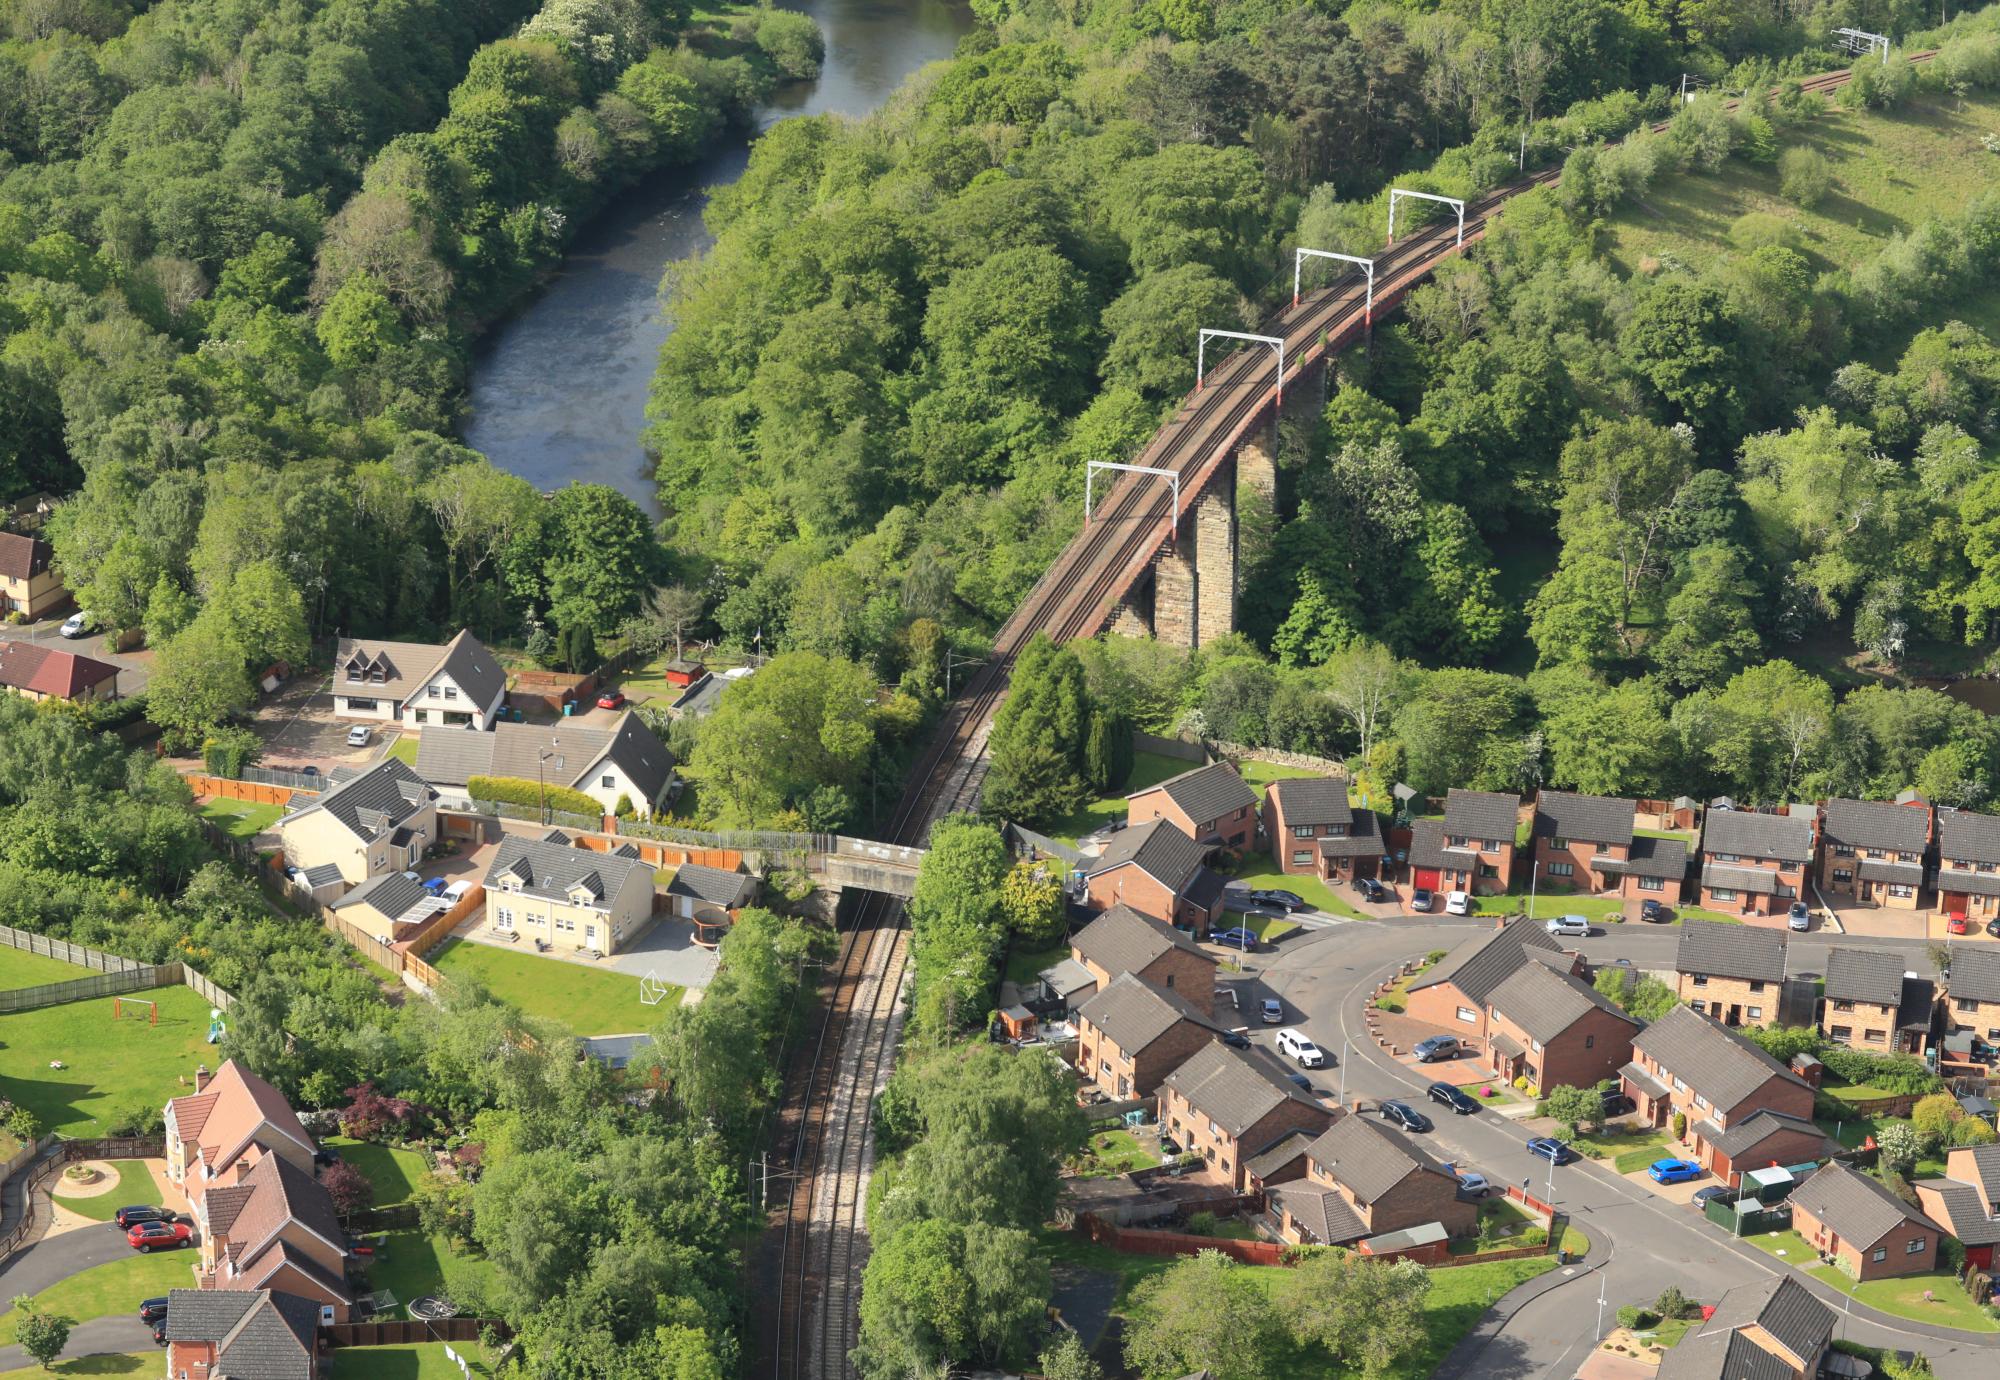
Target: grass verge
583 1001
135 1185
111 1288
1948 1305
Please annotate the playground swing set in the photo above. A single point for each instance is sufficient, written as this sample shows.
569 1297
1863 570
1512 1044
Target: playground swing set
149 1010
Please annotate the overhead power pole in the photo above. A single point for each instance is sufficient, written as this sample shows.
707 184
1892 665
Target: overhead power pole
1367 266
1201 355
1451 201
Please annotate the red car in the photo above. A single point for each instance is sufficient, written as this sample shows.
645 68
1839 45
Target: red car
1958 924
611 699
148 1236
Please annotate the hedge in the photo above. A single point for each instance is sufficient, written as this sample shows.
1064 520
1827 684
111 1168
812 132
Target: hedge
512 790
1893 1073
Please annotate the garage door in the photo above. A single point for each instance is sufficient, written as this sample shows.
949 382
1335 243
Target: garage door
1427 878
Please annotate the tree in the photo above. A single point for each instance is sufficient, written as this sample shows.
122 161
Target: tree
1528 65
1573 1108
1934 1118
1367 1314
1682 339
1031 901
1900 1145
1365 682
955 922
1769 724
1804 176
804 721
666 616
601 555
42 1335
348 1187
1710 628
1621 485
1067 1358
198 680
1037 743
942 1291
1151 324
1203 1313
1574 616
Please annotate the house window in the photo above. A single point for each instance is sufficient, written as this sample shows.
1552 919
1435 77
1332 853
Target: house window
1840 1032
451 692
1302 831
355 706
1722 893
1843 850
1899 890
607 781
1701 979
1562 869
1590 1042
1786 891
1679 1086
1699 1006
1726 857
1876 1037
1843 874
503 919
354 673
1301 856
326 1315
1559 844
1915 1245
375 676
1757 986
1881 1253
1467 1014
1652 884
1336 831
1488 870
423 716
1170 981
1843 1006
1755 1013
433 691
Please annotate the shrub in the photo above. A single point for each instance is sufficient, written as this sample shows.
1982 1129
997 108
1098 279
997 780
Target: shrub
1804 176
1680 1125
1671 1303
1203 1224
1899 1146
509 790
624 809
347 1186
1534 1236
1635 1319
793 43
1893 1073
229 750
1755 229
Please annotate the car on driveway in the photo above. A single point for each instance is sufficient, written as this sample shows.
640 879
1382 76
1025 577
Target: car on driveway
1235 1039
1457 903
1704 1196
1237 938
129 1217
456 891
611 699
76 625
1549 1148
1653 913
1371 890
1798 917
1445 1095
1420 899
1271 1011
1405 1116
1286 901
159 1236
1304 1083
359 735
1993 928
152 1310
1436 1047
434 886
1956 923
1569 926
1295 1044
1671 1171
1471 1182
1616 1103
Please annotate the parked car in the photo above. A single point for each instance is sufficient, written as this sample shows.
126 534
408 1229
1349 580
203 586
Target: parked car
153 1309
1457 903
1671 1171
456 891
1471 1182
434 886
1437 1047
1549 1148
359 735
1446 1095
1405 1116
1704 1196
1993 928
129 1217
160 1332
1235 1039
1653 913
309 770
1420 899
1287 901
1304 1083
1617 1104
1296 1045
1371 890
158 1236
1569 926
294 874
76 625
1956 923
1237 938
1798 917
611 699
1272 1011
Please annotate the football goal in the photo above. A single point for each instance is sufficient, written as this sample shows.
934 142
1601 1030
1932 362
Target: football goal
138 1008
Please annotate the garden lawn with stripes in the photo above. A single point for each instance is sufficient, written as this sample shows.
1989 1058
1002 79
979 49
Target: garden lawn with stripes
583 1001
112 1067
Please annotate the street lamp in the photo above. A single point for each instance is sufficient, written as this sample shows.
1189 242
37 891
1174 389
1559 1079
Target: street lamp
541 780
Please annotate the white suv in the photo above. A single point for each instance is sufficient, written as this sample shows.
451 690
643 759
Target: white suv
1457 903
1294 1044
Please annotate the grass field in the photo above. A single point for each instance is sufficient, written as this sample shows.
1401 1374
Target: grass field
584 1001
1256 872
426 1361
1024 964
1948 1306
104 1363
135 1185
19 968
411 1265
113 1066
240 819
103 1290
391 1170
1114 1152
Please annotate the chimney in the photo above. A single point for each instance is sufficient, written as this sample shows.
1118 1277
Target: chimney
200 1077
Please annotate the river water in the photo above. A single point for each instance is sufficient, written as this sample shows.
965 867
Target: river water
558 391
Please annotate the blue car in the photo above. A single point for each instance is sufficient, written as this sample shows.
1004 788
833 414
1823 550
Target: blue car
1673 1171
1234 939
1549 1148
435 886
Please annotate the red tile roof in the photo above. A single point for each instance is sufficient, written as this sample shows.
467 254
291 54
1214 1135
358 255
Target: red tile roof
22 558
49 670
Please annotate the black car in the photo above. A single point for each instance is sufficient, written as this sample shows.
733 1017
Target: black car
160 1332
1653 913
1302 1081
1993 928
1283 900
1618 1104
152 1310
129 1217
1235 1039
1446 1095
1704 1196
1405 1116
1370 889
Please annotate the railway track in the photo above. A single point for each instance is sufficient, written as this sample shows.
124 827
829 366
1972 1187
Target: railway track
826 1140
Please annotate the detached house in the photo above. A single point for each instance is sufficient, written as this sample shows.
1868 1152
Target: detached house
1773 1330
378 821
1972 993
1210 804
1554 1029
1872 1004
1455 991
418 684
271 1226
1130 1036
1230 1105
624 763
226 1115
1582 842
1364 1179
1866 1231
248 1334
1685 1062
1968 875
28 583
1967 1201
1158 869
1873 850
37 672
1315 831
1472 849
573 898
1735 973
1123 941
1754 864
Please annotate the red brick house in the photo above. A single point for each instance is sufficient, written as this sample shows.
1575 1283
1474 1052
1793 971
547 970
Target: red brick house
1471 849
1130 1036
1735 973
1555 1029
273 1226
1773 1330
1123 941
1968 875
1873 850
1315 831
1872 1004
1688 1063
1231 1105
1763 1139
1210 804
50 673
1582 842
1967 1201
1158 870
1453 993
1972 994
254 1334
1866 1231
1363 1179
1754 864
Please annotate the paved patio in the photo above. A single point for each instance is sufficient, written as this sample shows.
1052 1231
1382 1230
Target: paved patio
665 948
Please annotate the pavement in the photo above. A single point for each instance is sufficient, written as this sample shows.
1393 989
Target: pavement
1641 1243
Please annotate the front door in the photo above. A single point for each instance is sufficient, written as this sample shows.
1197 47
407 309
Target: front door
1735 1016
590 935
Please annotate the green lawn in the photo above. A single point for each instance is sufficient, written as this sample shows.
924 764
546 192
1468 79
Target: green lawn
103 1363
1256 872
104 1290
19 968
1599 910
583 1000
1949 1305
392 1170
404 749
1626 1151
423 1361
1269 928
1852 1131
1148 769
410 1265
1111 1153
240 819
1259 775
113 1066
1025 964
135 1185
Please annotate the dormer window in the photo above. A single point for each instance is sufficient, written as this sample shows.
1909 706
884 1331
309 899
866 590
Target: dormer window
375 675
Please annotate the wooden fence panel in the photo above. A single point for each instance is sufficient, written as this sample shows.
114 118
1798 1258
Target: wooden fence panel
228 788
202 987
90 988
33 943
407 1333
1136 1242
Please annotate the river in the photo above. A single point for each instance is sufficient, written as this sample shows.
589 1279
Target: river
558 390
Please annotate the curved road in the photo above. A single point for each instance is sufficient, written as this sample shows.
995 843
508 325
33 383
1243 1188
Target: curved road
54 1259
1640 1243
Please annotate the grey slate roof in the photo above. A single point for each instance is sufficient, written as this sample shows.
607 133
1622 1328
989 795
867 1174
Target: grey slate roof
1545 1003
1718 1349
1967 836
1133 1013
1285 1149
453 757
376 802
1970 883
1368 1157
1748 834
1644 1081
1750 952
1985 1168
1313 800
1236 1088
1600 819
1123 941
550 871
715 885
1862 1210
1481 814
1759 881
1753 1130
1321 1211
1158 848
1718 1063
391 893
1360 841
1658 858
1480 965
1975 973
408 666
1427 847
1067 978
259 1334
1870 975
1211 792
1878 824
1964 1213
1903 874
326 874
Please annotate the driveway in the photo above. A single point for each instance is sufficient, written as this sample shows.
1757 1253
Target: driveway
99 1336
133 667
297 725
55 1258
